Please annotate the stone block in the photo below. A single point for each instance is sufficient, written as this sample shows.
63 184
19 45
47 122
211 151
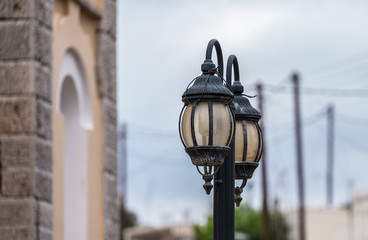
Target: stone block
45 215
110 161
44 234
44 11
43 82
43 185
17 115
111 90
17 212
16 40
25 77
16 151
110 137
111 230
16 8
111 209
44 119
108 22
106 66
43 154
17 233
109 112
16 77
43 45
110 187
17 182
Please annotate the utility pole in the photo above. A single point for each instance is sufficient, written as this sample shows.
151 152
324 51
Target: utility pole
330 154
265 212
350 200
350 190
278 221
300 174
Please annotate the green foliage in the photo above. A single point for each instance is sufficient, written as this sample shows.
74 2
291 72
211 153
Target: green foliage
204 232
248 220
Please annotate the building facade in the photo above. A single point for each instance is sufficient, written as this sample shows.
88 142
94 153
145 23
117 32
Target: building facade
360 216
174 232
321 224
335 224
58 161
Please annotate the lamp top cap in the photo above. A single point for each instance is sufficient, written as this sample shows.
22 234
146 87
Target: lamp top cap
237 88
208 67
243 110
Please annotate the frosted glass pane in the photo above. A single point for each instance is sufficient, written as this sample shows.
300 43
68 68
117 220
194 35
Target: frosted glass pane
185 126
239 141
201 124
233 127
221 124
260 150
252 141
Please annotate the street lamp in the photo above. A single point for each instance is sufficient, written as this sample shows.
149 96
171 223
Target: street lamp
214 114
207 123
248 135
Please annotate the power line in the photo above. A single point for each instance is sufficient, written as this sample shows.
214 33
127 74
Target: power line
308 121
358 146
357 121
346 61
320 91
339 78
135 128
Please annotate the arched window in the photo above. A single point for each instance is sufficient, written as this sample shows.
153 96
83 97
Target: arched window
74 103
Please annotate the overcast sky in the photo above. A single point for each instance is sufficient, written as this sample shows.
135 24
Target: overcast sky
161 46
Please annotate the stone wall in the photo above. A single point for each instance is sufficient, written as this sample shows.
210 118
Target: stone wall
25 119
26 210
106 77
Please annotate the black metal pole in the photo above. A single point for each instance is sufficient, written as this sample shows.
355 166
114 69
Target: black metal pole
223 206
223 212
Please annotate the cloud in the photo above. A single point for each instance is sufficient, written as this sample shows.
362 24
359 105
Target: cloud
161 45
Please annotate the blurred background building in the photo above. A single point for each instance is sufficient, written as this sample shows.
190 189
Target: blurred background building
174 232
346 223
58 156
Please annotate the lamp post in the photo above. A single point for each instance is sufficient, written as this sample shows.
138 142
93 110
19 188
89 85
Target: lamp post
209 122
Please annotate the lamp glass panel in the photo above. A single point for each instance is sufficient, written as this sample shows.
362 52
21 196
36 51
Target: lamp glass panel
186 132
201 124
252 141
239 141
260 149
222 121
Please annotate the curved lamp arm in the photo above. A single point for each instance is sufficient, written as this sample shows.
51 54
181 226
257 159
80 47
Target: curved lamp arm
232 61
220 61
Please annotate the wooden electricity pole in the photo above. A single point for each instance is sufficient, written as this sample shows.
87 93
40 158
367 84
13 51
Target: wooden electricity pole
298 132
330 154
265 212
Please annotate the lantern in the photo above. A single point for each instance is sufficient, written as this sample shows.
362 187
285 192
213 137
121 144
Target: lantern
248 135
206 122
